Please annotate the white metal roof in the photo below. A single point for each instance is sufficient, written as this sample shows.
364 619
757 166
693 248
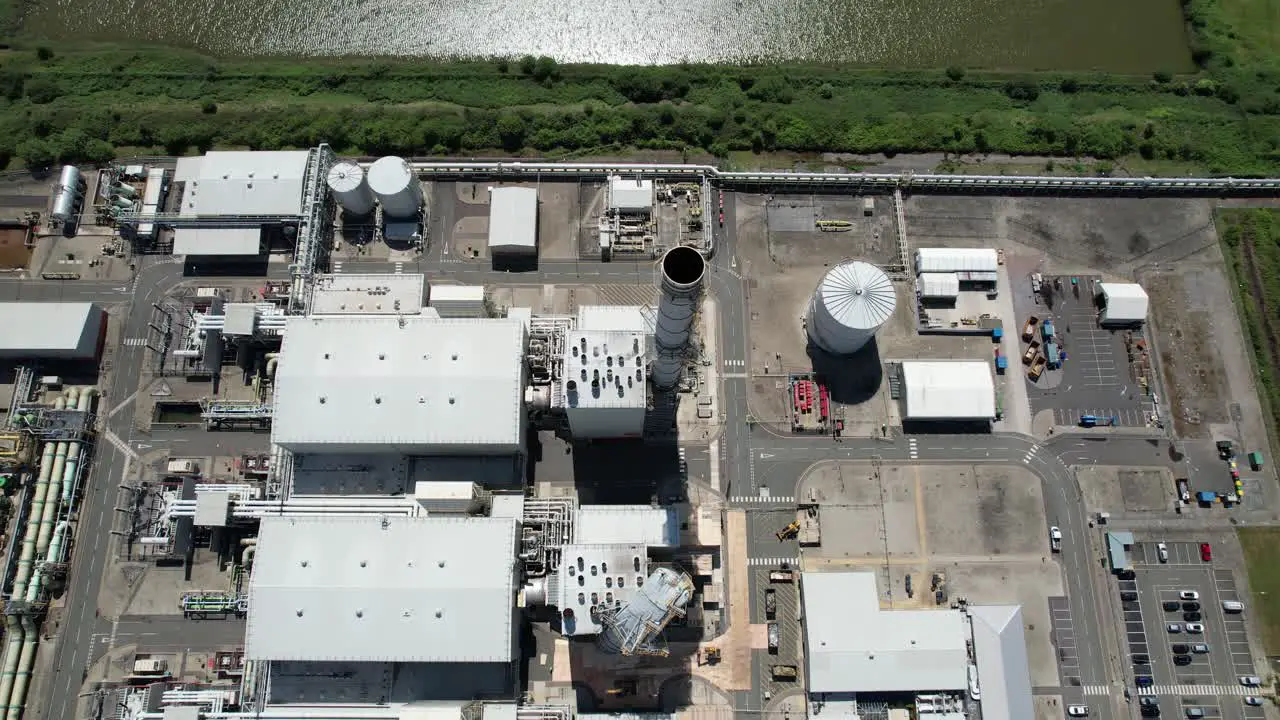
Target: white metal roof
400 384
1001 649
247 183
642 524
49 329
217 241
939 285
630 194
949 390
457 293
421 589
1124 302
513 219
956 260
614 317
854 646
597 575
239 318
858 295
604 369
369 294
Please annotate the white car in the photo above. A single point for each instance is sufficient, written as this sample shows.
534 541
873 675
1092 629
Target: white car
1253 700
1055 538
1174 627
1162 550
1077 711
1195 628
1250 680
1189 595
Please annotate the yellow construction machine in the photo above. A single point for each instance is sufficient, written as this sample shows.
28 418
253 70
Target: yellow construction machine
789 531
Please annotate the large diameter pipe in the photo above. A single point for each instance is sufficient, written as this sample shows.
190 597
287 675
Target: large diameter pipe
17 636
682 272
18 698
49 507
23 572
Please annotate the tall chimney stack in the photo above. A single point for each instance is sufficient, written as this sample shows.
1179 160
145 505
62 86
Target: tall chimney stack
682 271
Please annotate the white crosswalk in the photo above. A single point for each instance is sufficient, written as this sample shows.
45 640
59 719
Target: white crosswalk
399 268
1026 459
775 499
771 562
135 342
1095 690
912 449
735 363
1199 690
337 266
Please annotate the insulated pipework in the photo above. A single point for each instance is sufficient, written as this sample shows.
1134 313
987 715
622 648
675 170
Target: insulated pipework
682 272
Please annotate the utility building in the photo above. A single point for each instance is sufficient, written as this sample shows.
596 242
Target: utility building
975 267
513 223
397 384
53 330
1122 304
605 388
948 390
261 184
631 197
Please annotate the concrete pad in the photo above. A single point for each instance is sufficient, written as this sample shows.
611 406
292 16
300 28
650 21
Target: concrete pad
984 510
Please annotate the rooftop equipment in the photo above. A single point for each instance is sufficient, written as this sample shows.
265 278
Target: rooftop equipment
68 193
681 285
636 626
851 303
397 188
351 188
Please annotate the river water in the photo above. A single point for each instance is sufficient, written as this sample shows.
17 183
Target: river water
1123 35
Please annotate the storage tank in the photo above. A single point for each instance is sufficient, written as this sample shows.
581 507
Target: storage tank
396 186
125 189
851 303
67 194
350 188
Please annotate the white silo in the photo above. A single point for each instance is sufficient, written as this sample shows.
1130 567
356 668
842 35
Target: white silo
397 188
350 188
851 303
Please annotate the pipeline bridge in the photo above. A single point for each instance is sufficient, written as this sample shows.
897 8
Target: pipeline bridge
858 182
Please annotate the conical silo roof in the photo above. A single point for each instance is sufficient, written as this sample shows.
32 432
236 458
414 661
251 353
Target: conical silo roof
858 295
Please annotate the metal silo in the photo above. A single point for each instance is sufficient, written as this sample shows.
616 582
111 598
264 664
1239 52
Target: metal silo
681 285
67 194
397 188
350 188
851 303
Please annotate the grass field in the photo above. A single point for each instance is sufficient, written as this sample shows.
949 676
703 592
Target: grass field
1256 25
1251 244
1261 546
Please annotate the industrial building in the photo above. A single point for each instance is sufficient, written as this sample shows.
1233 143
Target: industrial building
938 286
948 390
852 302
946 661
400 384
458 301
513 223
604 383
631 196
974 267
369 294
241 185
1123 304
52 330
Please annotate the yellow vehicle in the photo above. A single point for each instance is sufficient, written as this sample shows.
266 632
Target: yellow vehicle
789 531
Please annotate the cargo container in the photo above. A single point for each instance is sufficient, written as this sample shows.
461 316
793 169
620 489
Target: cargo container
1051 354
1047 330
770 603
785 672
1037 368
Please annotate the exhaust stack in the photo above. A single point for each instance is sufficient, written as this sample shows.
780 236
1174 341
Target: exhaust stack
682 272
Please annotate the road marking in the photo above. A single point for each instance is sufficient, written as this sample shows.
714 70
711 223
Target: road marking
770 562
134 342
913 449
1201 690
735 363
1095 690
775 500
399 268
337 266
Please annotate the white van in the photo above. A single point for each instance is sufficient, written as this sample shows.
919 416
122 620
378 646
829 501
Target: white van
1232 606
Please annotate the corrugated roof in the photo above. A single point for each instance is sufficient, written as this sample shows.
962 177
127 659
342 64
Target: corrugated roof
858 295
1124 302
247 183
939 285
630 194
217 241
643 524
423 589
49 329
1001 649
956 260
513 219
949 390
854 646
400 384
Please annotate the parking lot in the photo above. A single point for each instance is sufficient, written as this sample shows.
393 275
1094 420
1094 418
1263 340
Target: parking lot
1208 677
1095 378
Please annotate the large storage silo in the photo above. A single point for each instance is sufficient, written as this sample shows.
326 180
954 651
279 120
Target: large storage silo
397 188
350 188
851 303
68 193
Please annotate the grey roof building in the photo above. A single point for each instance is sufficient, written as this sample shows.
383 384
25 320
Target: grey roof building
1001 649
58 330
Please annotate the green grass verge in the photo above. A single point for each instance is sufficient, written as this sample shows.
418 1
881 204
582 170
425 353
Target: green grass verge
1261 546
1251 246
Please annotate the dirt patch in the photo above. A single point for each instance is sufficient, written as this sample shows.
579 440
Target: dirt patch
1192 372
14 254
